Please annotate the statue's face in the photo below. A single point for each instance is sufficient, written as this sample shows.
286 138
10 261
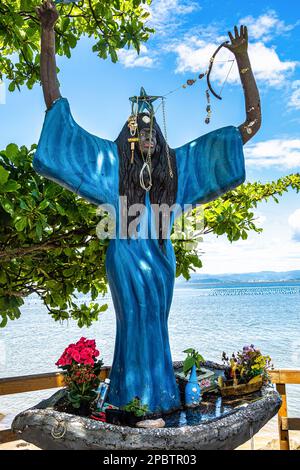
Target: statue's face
146 142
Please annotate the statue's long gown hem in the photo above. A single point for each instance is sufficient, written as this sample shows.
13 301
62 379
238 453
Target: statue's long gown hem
141 276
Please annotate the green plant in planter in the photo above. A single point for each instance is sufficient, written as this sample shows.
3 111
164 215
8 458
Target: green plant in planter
193 358
136 407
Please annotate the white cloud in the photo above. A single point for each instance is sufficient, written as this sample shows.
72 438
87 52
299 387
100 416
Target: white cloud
295 97
259 253
193 56
164 14
195 48
283 153
294 222
130 58
165 17
267 65
266 26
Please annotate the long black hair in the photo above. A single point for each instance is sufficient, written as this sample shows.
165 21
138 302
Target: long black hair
164 187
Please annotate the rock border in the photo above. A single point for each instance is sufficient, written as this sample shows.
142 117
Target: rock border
51 430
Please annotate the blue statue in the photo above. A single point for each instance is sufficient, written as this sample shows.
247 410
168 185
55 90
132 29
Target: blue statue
140 166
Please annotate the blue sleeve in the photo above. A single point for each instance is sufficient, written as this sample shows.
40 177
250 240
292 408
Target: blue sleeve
210 166
75 159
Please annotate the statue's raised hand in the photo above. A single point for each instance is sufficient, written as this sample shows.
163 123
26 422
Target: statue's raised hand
47 14
238 44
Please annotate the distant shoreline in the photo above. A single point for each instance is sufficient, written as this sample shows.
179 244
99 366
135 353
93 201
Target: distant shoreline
262 277
236 283
204 281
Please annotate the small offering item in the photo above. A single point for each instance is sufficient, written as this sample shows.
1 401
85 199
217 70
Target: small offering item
102 394
99 416
246 372
192 390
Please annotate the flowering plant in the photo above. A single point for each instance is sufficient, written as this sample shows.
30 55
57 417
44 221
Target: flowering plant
82 368
247 364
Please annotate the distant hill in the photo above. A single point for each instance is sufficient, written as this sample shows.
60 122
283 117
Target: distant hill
263 276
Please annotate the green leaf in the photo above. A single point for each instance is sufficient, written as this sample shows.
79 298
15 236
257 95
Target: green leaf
43 205
4 320
188 364
39 230
4 175
103 308
244 235
200 358
10 187
3 277
12 86
12 151
7 205
21 224
24 206
114 56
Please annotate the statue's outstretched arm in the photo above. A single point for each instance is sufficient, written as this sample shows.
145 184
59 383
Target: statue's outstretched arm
48 16
239 47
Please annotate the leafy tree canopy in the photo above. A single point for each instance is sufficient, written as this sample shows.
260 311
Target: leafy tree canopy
49 245
113 24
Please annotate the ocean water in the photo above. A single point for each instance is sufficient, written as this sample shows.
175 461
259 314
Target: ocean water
210 318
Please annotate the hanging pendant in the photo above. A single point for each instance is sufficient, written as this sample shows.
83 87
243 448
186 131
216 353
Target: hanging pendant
132 141
142 182
208 108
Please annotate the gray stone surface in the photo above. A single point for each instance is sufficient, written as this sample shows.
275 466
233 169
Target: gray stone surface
50 429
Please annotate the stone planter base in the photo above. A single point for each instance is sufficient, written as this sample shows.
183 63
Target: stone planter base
50 429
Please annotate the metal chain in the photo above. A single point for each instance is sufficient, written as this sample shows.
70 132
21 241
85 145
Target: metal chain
166 137
150 140
147 162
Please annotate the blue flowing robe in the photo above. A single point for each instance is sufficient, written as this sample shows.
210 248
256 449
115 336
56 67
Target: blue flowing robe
141 276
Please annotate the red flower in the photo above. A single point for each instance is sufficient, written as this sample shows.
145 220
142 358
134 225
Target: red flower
83 352
75 355
89 361
86 353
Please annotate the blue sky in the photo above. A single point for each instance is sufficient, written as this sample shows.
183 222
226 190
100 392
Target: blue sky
187 32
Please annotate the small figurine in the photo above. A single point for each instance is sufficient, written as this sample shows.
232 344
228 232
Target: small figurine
192 389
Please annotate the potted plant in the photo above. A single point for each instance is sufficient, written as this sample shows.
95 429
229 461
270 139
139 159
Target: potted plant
205 377
246 372
81 366
129 414
135 411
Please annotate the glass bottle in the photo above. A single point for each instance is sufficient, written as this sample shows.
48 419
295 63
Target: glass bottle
103 394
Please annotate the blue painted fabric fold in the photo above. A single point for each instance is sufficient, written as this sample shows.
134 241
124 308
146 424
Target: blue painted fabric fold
76 159
210 165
